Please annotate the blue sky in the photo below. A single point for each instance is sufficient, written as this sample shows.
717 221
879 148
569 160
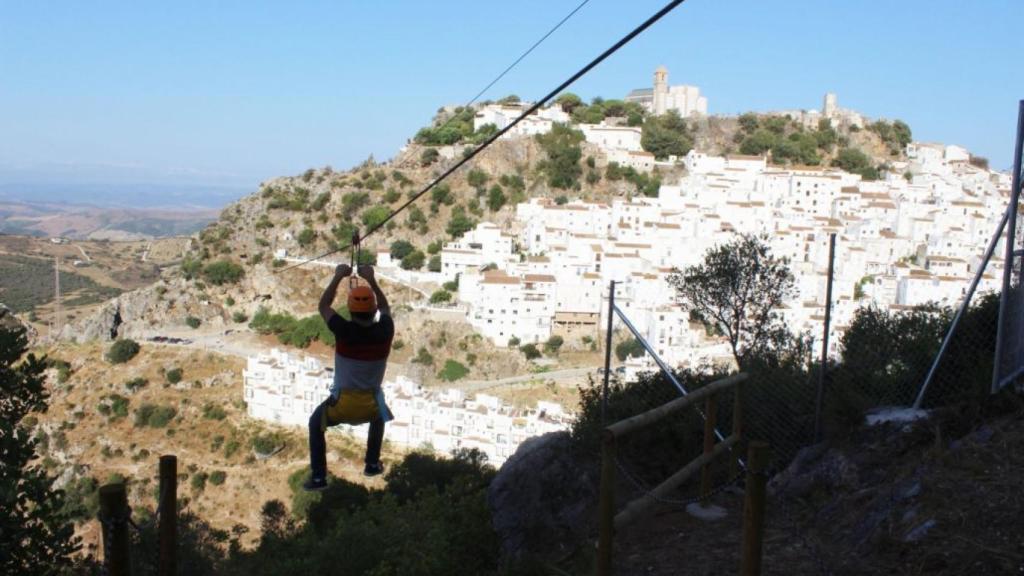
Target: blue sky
217 96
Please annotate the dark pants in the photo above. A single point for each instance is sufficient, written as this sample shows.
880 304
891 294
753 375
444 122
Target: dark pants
318 444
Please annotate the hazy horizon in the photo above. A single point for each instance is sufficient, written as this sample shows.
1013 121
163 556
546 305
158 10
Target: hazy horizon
139 105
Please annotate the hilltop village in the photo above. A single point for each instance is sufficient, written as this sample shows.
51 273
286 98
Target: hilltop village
914 235
910 234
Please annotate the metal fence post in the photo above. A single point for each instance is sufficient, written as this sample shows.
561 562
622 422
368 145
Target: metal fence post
824 337
114 515
1011 233
753 509
608 352
168 509
606 506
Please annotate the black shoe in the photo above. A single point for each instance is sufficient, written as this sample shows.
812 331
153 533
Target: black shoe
315 485
374 469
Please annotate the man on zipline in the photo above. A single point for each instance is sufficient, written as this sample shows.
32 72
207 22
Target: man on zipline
360 359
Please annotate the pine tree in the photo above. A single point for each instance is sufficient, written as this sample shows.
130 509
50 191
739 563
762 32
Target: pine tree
36 536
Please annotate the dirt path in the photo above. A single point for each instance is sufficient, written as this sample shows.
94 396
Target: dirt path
572 374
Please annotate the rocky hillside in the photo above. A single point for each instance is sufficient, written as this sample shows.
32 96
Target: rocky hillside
108 420
235 265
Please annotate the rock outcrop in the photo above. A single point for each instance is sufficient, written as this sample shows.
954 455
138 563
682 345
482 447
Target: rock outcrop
543 500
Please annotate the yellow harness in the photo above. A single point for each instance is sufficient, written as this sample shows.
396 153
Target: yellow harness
353 407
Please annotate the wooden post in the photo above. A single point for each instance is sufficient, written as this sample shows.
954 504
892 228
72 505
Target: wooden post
753 509
710 414
114 521
168 509
606 506
737 428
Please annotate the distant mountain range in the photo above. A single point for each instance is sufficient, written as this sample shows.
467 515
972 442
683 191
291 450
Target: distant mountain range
93 222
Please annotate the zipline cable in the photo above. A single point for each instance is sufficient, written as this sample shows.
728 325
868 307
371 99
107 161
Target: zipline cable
517 61
536 106
354 244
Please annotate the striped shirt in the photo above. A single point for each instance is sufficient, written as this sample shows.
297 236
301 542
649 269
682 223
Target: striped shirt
360 353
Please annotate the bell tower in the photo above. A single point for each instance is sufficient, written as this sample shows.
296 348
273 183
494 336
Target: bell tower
658 104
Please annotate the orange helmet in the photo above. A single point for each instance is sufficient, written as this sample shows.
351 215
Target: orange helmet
362 299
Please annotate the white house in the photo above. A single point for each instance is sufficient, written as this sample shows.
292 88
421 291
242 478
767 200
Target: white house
285 389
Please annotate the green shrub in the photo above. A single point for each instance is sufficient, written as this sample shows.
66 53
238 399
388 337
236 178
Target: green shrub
238 317
268 443
429 156
413 261
459 223
231 447
513 342
398 344
223 272
423 356
154 416
452 371
198 481
193 322
229 301
213 412
553 344
135 384
173 375
122 351
562 146
631 348
440 296
400 249
530 351
217 477
81 498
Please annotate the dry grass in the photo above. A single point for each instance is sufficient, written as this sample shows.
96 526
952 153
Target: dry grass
107 447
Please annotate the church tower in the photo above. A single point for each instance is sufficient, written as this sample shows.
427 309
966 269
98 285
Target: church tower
830 105
659 103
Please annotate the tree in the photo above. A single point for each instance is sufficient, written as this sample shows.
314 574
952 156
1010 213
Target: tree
375 216
429 156
442 194
477 178
459 223
758 143
562 146
856 162
553 345
400 249
738 290
413 260
353 202
434 264
568 101
306 237
496 198
631 348
36 531
530 351
440 297
223 272
748 122
666 135
122 351
452 371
